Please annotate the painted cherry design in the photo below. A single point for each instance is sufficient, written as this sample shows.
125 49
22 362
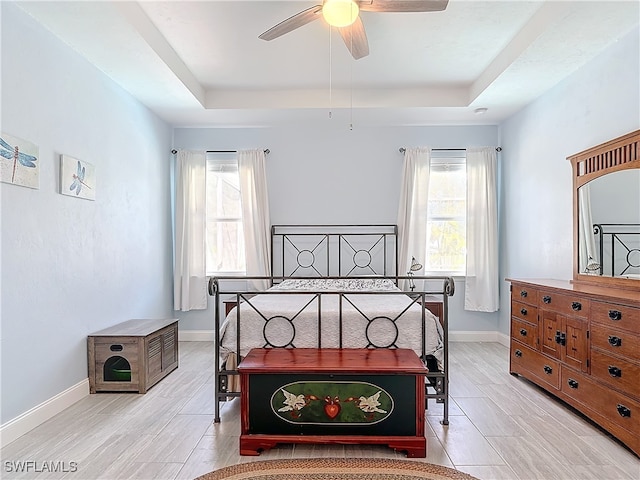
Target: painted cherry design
332 407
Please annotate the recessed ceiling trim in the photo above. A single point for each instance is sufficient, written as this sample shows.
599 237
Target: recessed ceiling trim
138 19
340 98
176 57
549 14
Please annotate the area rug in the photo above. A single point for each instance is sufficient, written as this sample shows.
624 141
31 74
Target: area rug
336 469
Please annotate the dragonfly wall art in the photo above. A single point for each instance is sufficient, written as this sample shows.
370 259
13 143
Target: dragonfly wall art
77 178
21 167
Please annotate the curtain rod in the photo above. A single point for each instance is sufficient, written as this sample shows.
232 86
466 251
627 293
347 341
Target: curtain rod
402 149
266 150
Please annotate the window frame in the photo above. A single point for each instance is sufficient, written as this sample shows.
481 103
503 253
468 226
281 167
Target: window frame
444 160
224 159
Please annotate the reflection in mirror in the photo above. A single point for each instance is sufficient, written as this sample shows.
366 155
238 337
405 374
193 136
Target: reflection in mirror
609 225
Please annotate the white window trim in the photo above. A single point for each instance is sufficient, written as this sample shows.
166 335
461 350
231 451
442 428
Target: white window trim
231 159
442 159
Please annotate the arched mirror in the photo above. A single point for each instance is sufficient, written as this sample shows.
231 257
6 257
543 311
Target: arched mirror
606 213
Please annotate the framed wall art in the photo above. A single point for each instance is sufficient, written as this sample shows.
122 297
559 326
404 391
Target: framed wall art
19 159
77 178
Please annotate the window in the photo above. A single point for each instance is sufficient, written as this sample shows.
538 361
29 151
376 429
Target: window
446 218
225 237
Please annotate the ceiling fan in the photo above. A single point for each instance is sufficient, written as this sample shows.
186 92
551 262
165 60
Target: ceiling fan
343 14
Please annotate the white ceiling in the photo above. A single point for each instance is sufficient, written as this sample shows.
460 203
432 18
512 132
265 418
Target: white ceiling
200 63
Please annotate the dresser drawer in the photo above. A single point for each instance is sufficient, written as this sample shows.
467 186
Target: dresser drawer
614 341
543 368
524 332
617 316
615 407
566 304
618 373
524 294
522 311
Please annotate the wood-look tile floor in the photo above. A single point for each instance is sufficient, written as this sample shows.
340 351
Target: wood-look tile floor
501 427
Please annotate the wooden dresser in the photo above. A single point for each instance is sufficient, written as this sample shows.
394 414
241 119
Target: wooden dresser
582 344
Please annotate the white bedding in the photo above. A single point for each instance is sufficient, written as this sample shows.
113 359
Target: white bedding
269 312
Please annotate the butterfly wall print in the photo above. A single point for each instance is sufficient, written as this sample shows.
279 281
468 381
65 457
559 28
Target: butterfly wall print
19 159
77 178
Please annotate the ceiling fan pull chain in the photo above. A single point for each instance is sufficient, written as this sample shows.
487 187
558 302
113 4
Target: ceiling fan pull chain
351 88
330 65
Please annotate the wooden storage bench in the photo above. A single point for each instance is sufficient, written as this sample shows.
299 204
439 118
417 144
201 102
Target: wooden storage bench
344 396
132 356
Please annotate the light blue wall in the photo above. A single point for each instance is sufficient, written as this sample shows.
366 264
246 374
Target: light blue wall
330 174
72 266
598 102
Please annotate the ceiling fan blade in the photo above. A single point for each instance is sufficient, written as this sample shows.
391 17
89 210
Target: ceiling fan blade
355 38
291 23
402 5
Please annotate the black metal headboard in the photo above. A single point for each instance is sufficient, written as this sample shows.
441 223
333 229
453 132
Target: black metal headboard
619 247
334 250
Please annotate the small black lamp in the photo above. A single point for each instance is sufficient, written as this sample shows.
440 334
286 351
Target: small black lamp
415 266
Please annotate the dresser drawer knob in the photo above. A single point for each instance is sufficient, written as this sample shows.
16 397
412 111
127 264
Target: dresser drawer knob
572 383
523 311
523 332
623 411
577 306
546 299
518 353
614 371
615 341
523 293
615 315
548 370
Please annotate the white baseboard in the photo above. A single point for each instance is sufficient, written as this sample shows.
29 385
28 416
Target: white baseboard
476 336
504 339
39 414
196 336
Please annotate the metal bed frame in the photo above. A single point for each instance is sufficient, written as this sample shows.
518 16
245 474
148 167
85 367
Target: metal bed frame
627 237
333 252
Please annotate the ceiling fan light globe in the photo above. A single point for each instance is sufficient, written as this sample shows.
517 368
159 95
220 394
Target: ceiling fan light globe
340 13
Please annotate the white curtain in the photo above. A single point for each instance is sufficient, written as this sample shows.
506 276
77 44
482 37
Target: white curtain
412 212
255 213
589 263
481 282
189 272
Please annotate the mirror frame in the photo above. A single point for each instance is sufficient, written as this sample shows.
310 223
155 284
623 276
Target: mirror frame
621 153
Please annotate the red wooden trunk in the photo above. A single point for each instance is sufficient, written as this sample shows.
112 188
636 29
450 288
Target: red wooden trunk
345 396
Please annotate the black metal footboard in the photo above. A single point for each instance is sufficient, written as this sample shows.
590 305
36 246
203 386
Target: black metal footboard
283 318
